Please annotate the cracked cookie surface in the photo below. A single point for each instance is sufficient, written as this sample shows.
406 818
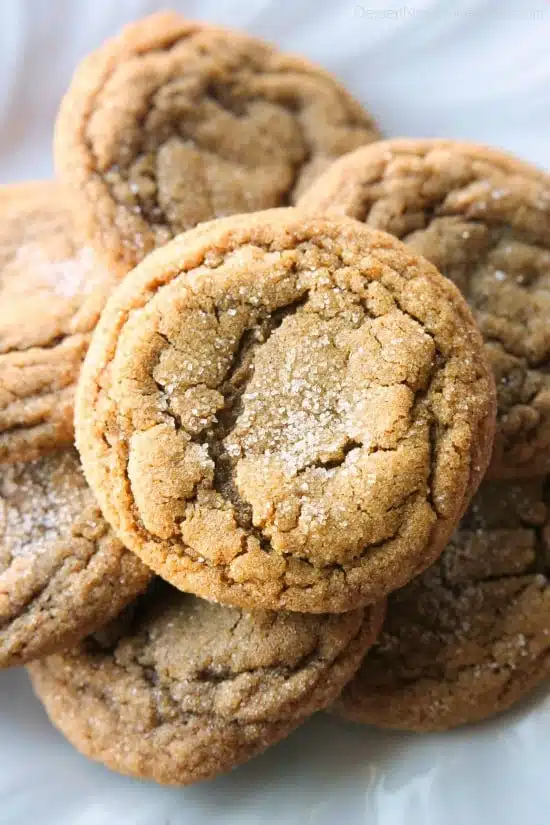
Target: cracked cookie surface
483 218
176 122
471 636
63 573
51 293
284 413
180 689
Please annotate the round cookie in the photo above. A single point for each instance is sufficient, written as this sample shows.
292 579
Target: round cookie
285 413
483 218
51 294
63 573
181 689
176 122
471 636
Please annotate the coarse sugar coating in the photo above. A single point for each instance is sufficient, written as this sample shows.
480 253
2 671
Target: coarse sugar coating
179 689
471 636
175 122
51 293
483 218
285 413
63 573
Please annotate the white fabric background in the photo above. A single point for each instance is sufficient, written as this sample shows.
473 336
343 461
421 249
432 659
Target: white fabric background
475 69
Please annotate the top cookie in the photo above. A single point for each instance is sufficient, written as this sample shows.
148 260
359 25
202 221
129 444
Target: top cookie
285 413
51 293
483 218
176 122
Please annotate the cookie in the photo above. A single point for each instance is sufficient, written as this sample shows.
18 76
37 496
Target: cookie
176 122
483 218
285 414
63 573
51 293
471 636
181 690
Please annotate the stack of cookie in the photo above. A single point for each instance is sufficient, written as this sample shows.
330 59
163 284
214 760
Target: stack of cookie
279 336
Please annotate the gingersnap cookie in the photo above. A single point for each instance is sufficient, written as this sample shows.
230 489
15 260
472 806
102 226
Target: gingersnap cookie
180 689
483 218
51 293
63 573
285 413
471 636
176 122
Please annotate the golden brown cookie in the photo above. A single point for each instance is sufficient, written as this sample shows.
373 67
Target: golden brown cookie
285 413
51 294
63 573
180 690
471 636
175 122
483 218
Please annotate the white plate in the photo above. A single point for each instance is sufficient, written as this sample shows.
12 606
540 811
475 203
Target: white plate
475 70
